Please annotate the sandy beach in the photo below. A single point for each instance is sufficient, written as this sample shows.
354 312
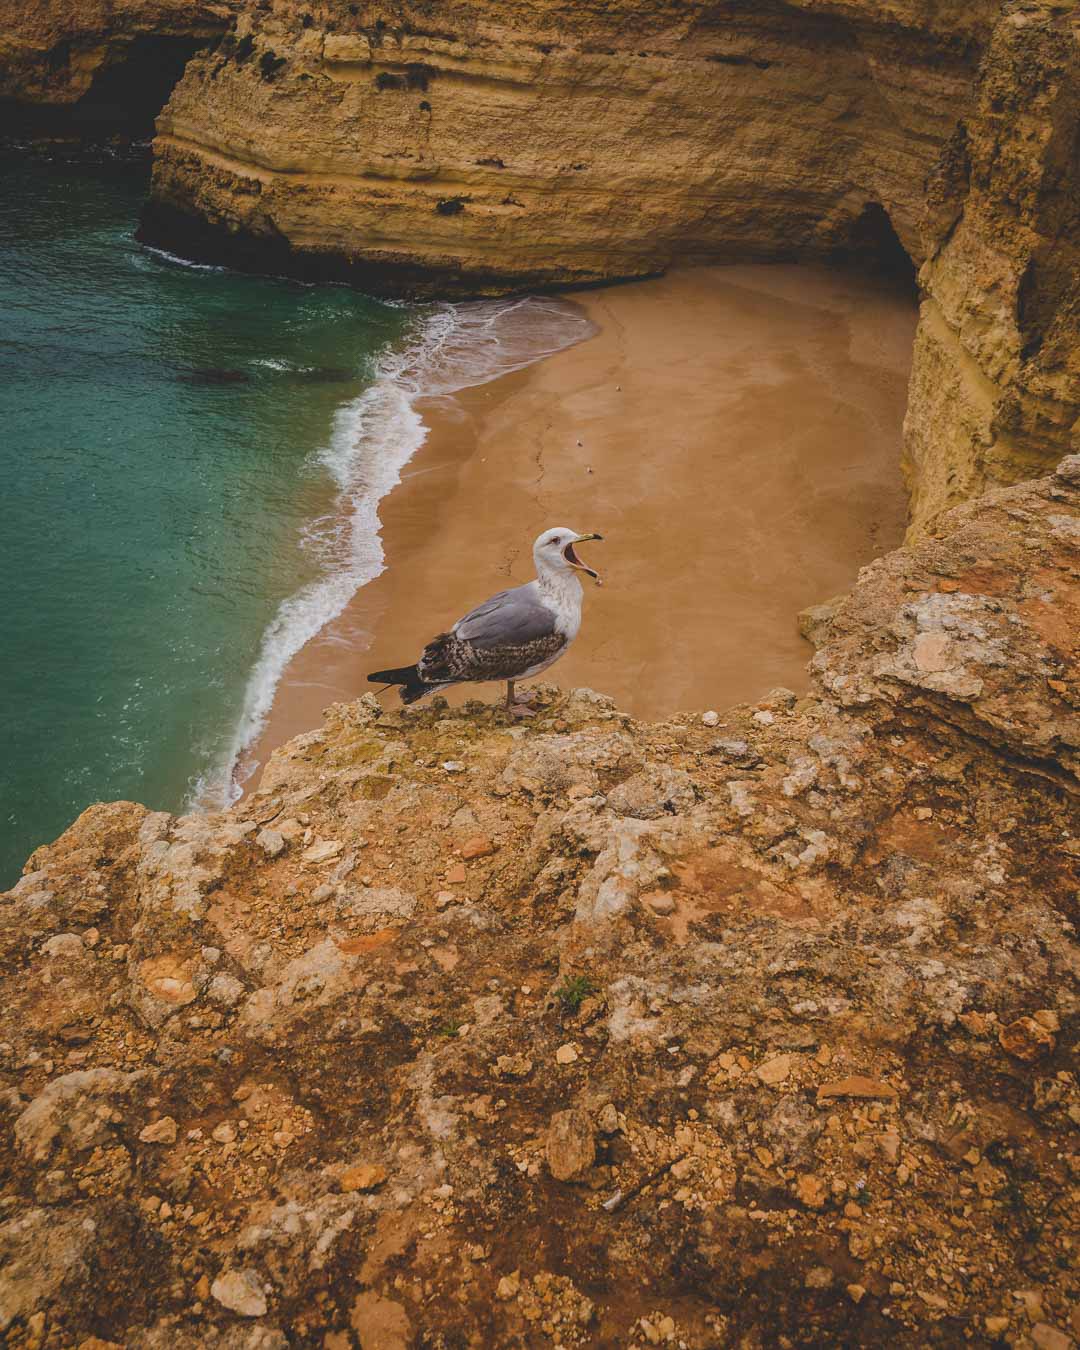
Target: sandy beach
733 432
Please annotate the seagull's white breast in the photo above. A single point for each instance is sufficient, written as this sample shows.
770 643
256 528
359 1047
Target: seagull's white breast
562 595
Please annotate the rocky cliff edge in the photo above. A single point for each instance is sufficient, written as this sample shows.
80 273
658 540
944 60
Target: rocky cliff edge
744 1030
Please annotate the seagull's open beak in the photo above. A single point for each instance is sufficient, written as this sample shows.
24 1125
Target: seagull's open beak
573 559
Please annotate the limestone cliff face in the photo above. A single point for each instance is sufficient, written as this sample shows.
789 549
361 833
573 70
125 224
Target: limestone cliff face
488 148
995 388
98 64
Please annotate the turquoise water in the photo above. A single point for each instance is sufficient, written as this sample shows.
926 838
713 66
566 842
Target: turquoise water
156 522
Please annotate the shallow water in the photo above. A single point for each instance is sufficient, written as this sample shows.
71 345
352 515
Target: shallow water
158 479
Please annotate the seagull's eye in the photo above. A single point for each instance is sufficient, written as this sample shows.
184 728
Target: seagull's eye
556 541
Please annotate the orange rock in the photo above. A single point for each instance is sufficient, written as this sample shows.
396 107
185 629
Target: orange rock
856 1086
363 1177
477 847
810 1190
948 586
1026 1039
455 875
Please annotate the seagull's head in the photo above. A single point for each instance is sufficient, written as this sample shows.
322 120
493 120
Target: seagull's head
554 551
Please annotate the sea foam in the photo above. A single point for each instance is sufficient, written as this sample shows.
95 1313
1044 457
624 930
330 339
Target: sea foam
373 437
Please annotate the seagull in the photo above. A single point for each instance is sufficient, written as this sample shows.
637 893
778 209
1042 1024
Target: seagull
513 636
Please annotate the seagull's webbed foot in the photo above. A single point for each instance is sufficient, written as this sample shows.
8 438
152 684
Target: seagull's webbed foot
517 706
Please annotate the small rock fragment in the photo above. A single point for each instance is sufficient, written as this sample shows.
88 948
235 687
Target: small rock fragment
571 1147
856 1086
322 851
477 847
607 1121
241 1292
513 1066
710 718
774 1070
508 1286
161 1131
810 1190
1026 1039
363 1177
566 1054
818 1277
1047 1337
272 842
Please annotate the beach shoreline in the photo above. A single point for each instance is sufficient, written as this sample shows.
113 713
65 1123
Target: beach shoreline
733 432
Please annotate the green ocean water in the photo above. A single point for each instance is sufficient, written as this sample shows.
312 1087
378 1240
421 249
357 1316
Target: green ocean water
155 522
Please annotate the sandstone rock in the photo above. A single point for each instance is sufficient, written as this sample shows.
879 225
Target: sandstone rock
73 1113
660 902
322 851
1026 1039
647 796
818 1277
363 1177
162 1131
810 1190
241 1292
513 1066
815 622
272 842
567 1054
225 989
571 1146
380 1323
42 1254
857 1086
64 947
1047 1337
508 1287
477 847
607 1122
775 1070
736 752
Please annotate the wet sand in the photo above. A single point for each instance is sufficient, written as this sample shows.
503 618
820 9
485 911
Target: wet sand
733 432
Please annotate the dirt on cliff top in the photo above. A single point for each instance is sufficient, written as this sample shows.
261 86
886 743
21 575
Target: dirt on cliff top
751 1030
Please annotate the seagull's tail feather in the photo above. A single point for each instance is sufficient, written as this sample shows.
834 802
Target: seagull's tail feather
408 677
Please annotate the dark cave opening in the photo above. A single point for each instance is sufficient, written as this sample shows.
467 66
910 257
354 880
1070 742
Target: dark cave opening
874 244
123 100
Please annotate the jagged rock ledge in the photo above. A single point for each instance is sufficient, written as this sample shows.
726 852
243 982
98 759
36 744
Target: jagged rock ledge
591 1032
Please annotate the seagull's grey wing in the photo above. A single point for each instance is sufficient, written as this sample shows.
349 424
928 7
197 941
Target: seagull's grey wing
512 618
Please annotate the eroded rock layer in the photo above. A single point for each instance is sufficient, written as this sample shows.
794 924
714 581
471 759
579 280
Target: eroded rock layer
590 1032
482 150
995 385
